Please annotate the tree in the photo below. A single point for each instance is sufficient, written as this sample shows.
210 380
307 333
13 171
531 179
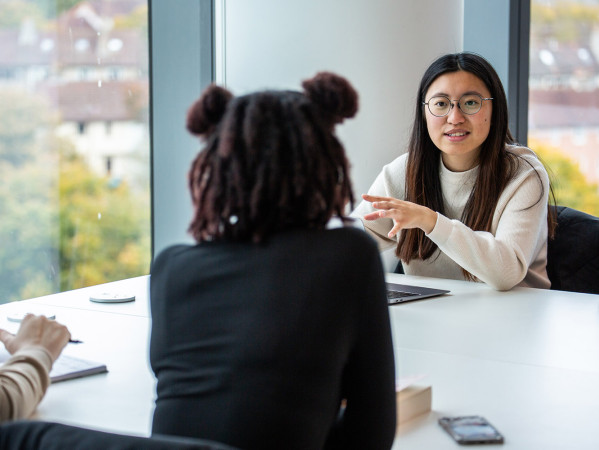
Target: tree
62 226
136 19
23 115
52 9
567 22
104 229
14 12
28 231
569 184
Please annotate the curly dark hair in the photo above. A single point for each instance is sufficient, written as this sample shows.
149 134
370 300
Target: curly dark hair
271 161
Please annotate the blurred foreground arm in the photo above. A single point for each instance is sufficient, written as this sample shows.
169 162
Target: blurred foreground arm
24 377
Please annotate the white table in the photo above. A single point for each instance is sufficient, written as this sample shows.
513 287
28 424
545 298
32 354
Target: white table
527 360
121 400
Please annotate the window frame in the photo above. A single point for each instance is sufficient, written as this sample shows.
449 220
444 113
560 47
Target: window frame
180 71
489 22
181 66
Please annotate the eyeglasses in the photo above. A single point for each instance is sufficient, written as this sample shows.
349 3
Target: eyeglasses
468 103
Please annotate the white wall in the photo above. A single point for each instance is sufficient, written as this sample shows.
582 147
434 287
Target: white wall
381 46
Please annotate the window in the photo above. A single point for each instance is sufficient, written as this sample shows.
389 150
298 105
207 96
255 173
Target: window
563 117
180 72
66 221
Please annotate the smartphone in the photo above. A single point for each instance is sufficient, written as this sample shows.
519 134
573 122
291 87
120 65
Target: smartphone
471 430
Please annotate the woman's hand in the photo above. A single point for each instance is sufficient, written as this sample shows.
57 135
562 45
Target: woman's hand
37 331
404 214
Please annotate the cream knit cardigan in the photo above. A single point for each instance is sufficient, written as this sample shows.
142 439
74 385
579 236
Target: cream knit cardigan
514 253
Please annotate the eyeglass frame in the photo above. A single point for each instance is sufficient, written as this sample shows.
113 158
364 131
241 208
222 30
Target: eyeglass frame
451 104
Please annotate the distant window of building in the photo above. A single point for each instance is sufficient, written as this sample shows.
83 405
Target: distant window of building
47 45
114 45
581 138
81 45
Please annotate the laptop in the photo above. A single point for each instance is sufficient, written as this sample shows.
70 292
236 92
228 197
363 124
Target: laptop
399 293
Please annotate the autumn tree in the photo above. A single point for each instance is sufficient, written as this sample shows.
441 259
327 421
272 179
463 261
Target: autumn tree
62 226
569 184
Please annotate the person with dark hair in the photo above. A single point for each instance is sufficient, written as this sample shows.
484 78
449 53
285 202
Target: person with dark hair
465 201
273 331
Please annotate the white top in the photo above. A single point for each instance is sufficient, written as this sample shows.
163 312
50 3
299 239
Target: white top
513 253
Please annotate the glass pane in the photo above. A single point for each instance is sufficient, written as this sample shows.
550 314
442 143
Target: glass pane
74 144
563 116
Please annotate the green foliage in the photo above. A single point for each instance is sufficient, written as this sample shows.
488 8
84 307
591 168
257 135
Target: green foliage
63 227
14 12
104 230
28 231
23 116
566 21
53 8
137 19
569 184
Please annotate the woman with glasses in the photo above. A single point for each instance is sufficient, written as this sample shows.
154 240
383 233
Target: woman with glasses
465 201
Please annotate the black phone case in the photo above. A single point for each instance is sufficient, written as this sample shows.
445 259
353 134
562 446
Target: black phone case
447 423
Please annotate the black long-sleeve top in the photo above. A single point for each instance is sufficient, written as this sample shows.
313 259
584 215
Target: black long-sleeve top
258 345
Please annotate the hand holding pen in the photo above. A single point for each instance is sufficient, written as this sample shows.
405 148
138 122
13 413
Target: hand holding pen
37 331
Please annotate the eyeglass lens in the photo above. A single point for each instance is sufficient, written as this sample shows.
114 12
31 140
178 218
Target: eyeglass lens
468 104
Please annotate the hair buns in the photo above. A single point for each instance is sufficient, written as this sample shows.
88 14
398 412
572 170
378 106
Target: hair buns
208 110
333 94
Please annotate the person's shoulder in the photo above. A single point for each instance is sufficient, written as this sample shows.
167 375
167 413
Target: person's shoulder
528 161
391 179
529 169
169 253
399 164
525 154
354 235
175 249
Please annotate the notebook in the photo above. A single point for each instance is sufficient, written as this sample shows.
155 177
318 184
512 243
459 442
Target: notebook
66 367
400 293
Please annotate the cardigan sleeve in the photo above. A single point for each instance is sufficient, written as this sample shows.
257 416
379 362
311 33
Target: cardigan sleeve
24 379
388 183
502 258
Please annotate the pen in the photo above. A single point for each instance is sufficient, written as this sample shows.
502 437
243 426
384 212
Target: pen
75 341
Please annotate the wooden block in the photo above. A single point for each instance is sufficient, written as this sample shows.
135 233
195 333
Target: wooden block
413 401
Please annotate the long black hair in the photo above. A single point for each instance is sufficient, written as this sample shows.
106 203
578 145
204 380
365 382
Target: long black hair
497 166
